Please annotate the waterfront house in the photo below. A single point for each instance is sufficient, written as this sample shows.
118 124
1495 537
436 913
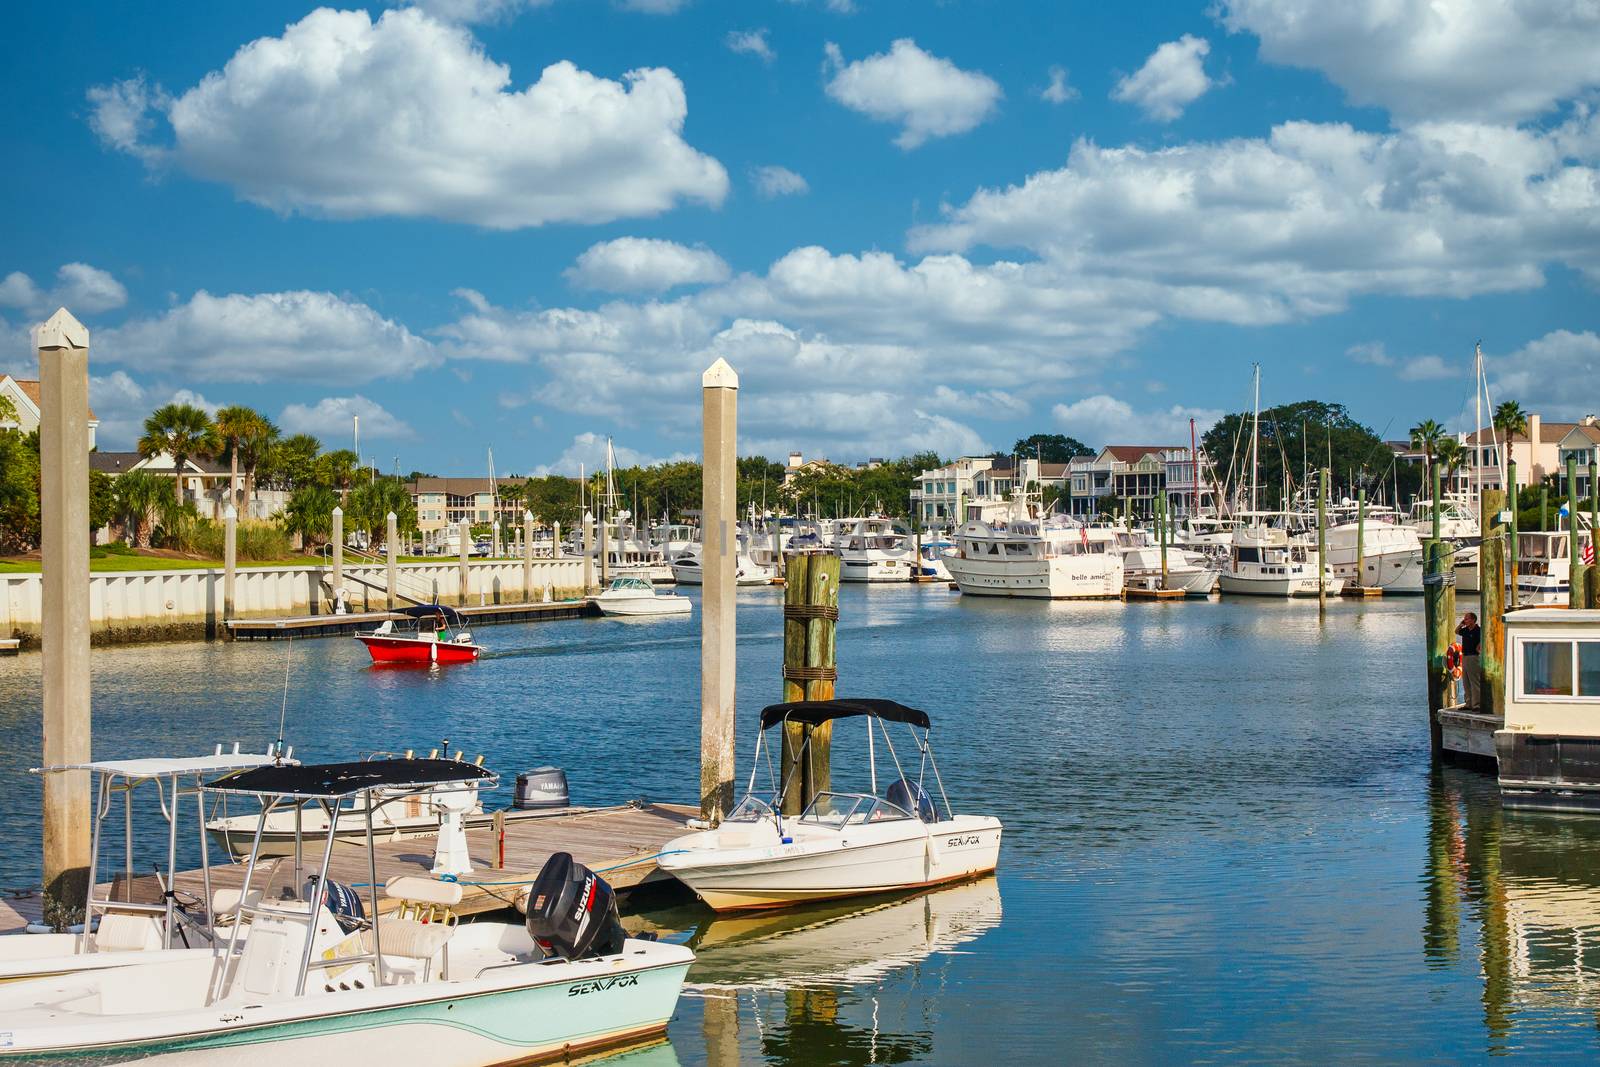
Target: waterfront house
1135 475
25 397
1538 453
444 503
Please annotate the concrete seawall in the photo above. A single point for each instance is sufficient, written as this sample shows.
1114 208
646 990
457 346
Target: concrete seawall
186 605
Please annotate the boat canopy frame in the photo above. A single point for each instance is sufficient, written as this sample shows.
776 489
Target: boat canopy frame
183 775
327 784
874 710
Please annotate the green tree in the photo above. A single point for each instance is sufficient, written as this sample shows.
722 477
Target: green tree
291 462
19 491
309 513
1051 448
245 437
337 470
552 499
138 497
369 505
1509 418
1426 436
182 431
1308 433
1449 454
102 500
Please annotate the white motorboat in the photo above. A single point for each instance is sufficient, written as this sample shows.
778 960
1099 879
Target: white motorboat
842 844
1190 572
930 560
686 570
1391 555
1024 558
319 981
635 596
1263 562
118 927
876 550
1544 566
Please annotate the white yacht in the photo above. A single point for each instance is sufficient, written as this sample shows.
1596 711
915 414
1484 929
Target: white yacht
876 550
1391 555
1263 561
1191 572
1544 566
634 596
1024 558
842 844
687 570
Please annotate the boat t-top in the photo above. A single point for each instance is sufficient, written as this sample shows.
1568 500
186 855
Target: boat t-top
121 924
429 634
326 977
842 844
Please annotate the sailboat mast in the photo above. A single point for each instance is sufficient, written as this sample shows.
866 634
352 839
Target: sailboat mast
1255 433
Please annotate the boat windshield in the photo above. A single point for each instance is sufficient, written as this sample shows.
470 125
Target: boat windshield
632 583
850 809
751 809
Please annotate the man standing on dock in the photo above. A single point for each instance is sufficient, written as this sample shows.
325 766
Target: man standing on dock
1471 680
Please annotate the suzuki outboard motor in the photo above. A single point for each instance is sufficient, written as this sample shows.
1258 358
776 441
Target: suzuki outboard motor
572 912
913 798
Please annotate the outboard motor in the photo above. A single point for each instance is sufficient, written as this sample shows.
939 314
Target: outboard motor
542 787
913 798
572 912
342 901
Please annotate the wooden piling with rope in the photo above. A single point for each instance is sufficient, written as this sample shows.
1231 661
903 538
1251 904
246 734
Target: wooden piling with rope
1491 585
1438 606
810 671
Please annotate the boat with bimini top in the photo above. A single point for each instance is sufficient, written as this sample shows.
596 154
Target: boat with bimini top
429 634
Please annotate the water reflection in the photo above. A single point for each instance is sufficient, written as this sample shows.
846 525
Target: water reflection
801 984
1521 892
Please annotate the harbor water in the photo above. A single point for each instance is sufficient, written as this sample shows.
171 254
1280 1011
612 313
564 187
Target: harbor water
1223 837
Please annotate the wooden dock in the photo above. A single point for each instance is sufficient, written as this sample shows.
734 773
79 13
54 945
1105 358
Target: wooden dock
1361 591
618 843
336 625
1135 592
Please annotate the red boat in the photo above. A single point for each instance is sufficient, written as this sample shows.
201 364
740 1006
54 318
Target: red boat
430 636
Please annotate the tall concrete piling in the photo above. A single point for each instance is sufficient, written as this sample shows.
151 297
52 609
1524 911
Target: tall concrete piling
337 551
465 535
527 555
230 562
63 346
719 558
391 559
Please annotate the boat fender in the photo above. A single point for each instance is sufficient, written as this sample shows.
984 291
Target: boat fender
1452 660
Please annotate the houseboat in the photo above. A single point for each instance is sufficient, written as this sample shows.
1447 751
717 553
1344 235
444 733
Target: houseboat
1549 747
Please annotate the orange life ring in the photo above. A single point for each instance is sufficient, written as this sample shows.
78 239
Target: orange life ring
1452 660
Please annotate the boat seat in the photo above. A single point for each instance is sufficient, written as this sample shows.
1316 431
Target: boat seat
121 931
463 638
385 627
225 903
421 927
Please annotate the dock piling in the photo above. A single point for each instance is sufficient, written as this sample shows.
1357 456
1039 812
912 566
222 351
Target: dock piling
464 541
1438 607
1577 579
63 346
527 555
391 559
230 560
1161 527
1491 585
555 540
1361 536
1514 597
720 510
337 551
1322 540
588 554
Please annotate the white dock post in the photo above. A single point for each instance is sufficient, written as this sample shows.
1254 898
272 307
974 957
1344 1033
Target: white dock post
555 540
720 509
230 562
391 550
527 556
338 559
588 554
466 542
63 346
605 553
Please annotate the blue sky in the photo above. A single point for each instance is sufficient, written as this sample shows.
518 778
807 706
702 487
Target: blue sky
529 225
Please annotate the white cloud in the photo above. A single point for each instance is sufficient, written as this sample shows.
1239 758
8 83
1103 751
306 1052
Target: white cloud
838 7
645 265
475 10
1104 420
1493 61
1429 369
300 336
333 416
774 181
1540 374
1170 80
750 42
348 118
122 115
80 288
1058 91
1371 353
987 403
1256 231
653 7
587 452
927 95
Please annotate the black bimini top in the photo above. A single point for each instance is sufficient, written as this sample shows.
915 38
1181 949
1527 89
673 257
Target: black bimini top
428 611
331 781
813 712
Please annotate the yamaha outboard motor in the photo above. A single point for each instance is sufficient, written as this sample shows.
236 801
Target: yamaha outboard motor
542 787
913 798
343 901
572 912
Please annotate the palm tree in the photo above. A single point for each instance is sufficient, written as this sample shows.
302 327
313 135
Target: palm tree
1509 418
337 470
235 423
183 431
138 494
253 448
309 513
1426 435
1450 456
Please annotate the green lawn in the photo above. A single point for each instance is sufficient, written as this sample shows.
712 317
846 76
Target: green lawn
153 563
